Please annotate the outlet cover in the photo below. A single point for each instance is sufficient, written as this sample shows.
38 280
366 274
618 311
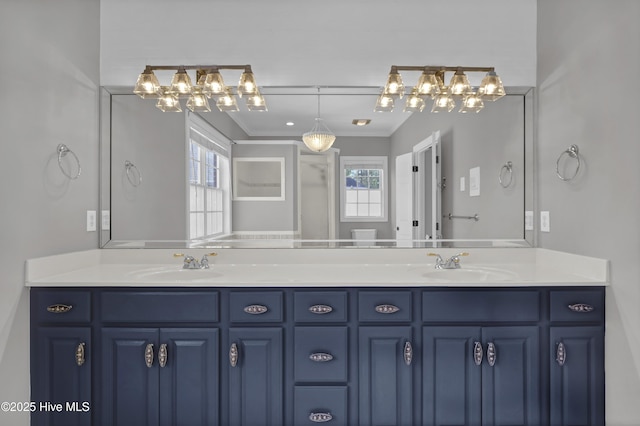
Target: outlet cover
528 220
91 220
544 222
106 220
462 184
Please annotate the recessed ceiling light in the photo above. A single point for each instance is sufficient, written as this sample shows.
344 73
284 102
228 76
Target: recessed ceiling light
290 123
361 121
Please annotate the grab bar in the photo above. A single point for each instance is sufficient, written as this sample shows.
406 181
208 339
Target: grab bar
474 217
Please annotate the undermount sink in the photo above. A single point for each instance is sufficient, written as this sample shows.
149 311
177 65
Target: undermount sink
174 273
481 274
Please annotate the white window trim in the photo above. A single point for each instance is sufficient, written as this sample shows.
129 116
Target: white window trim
374 161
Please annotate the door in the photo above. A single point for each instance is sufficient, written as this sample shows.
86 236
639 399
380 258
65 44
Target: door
189 379
577 379
404 200
62 374
428 187
255 376
317 197
385 376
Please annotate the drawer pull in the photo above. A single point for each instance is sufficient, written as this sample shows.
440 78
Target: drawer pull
408 353
320 417
320 309
148 355
233 355
561 354
80 354
491 354
321 357
255 309
59 308
581 307
387 309
478 353
163 355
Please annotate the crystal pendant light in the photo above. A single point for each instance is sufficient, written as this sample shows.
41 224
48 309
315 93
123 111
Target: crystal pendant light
147 85
213 84
428 84
247 84
181 82
394 86
319 138
256 102
414 102
198 101
384 104
443 102
471 103
227 103
168 101
459 84
491 87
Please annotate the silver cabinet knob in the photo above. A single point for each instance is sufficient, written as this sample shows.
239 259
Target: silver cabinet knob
255 309
163 355
320 309
80 354
386 309
561 354
321 357
148 355
320 417
233 354
491 354
407 353
478 353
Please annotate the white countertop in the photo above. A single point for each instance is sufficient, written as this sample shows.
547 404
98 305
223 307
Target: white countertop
483 267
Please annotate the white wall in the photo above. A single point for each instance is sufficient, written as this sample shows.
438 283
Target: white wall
588 70
49 76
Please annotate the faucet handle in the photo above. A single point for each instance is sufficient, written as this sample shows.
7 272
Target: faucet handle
204 263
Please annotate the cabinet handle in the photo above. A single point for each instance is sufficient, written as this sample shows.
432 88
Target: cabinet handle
491 354
387 309
148 355
561 354
321 357
59 308
80 354
255 309
320 417
320 309
163 355
233 355
581 307
407 353
478 353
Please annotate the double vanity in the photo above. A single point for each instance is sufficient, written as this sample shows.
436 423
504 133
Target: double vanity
306 336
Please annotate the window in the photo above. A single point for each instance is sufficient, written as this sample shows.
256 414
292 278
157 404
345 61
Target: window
209 194
363 192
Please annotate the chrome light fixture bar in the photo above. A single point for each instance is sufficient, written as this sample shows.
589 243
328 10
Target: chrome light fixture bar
431 84
209 85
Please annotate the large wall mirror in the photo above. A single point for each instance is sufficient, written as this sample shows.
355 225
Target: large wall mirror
217 179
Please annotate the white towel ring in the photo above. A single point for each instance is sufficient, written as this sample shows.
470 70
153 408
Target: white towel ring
63 150
572 152
129 166
508 166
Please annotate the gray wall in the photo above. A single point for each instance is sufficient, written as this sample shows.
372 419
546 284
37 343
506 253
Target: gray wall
50 76
486 140
588 70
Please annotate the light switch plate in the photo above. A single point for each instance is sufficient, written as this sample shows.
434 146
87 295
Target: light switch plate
474 182
544 222
91 220
106 220
462 184
528 220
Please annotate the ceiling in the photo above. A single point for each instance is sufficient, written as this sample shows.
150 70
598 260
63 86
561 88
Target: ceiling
343 47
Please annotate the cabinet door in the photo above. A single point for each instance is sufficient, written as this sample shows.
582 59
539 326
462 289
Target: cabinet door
511 386
256 379
129 388
386 389
189 379
577 386
451 382
62 374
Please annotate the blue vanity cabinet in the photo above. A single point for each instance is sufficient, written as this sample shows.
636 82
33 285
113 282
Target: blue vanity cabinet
62 357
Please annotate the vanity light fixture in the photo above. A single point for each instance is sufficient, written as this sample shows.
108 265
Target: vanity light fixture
431 84
209 85
319 138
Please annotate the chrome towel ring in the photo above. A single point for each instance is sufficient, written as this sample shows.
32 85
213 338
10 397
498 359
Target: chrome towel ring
506 171
133 174
63 150
572 152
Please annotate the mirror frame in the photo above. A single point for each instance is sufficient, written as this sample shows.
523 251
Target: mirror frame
529 236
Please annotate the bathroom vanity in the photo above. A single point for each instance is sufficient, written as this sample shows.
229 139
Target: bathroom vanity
356 337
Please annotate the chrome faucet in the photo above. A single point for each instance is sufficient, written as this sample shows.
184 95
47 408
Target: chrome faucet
451 263
191 262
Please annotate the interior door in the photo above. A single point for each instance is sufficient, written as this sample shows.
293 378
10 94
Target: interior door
404 200
316 207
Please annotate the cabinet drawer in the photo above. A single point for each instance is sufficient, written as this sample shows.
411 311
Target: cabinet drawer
256 306
159 306
320 306
320 404
384 306
61 306
577 305
480 306
321 354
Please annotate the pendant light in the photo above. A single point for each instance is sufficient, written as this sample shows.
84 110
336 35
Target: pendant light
319 138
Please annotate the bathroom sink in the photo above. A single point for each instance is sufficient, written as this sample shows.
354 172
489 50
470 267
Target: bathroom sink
174 274
471 274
